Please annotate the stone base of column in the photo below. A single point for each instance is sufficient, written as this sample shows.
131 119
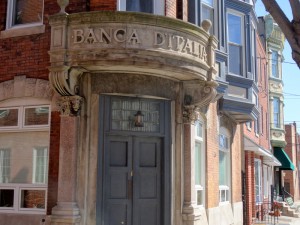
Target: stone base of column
65 213
193 215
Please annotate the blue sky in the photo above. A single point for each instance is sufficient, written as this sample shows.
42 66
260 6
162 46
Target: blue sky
290 72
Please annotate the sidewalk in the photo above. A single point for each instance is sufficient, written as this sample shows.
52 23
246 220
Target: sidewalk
282 220
285 220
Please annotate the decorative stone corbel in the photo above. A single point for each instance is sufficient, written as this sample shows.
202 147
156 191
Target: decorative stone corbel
70 105
64 80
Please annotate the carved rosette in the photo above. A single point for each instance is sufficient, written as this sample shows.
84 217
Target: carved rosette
70 105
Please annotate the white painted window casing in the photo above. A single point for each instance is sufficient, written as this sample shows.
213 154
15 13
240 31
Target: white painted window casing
149 6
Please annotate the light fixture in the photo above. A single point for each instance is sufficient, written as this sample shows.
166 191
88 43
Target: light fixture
138 119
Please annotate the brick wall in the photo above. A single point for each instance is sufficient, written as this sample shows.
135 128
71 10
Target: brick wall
171 8
53 161
104 5
250 182
291 181
236 159
263 95
212 158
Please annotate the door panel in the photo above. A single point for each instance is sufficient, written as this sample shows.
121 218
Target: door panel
118 166
146 183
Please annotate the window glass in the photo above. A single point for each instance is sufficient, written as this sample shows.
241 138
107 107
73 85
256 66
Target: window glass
4 165
258 182
224 167
234 29
276 114
275 64
40 165
6 198
25 12
235 43
146 6
139 5
199 163
8 117
33 199
36 116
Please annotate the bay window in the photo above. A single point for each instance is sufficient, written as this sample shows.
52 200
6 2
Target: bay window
235 43
146 6
224 166
24 141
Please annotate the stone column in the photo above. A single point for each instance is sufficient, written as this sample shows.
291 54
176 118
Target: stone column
189 211
66 212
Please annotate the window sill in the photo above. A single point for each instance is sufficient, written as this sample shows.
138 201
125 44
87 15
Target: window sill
22 31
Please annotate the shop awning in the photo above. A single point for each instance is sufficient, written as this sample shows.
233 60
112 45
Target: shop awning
286 163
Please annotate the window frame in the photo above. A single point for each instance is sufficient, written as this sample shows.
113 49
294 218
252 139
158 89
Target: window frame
258 172
21 119
11 12
227 187
45 167
241 45
200 139
17 188
158 6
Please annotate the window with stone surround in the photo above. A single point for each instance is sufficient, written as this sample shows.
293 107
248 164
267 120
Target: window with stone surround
24 13
24 141
199 162
224 166
147 6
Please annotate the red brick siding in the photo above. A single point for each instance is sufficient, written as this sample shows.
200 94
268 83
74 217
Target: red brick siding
171 8
250 191
53 161
105 5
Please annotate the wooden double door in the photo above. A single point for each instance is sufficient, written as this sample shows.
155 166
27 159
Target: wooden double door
132 181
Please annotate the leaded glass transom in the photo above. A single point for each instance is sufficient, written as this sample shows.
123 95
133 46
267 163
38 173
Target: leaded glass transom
123 111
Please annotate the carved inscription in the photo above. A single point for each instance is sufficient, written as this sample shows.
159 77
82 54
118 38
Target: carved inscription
139 38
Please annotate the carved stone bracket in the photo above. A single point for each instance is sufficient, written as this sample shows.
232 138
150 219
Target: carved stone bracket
64 80
197 95
70 105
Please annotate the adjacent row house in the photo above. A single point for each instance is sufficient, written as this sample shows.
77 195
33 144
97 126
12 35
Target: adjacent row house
135 112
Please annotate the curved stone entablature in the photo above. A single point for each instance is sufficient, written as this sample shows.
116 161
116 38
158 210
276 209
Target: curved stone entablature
21 87
127 42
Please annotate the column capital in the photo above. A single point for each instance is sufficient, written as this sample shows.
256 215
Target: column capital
70 105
